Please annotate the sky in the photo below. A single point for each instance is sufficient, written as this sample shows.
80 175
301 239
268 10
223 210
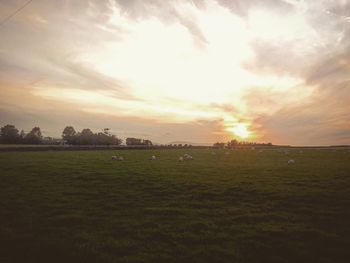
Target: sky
196 71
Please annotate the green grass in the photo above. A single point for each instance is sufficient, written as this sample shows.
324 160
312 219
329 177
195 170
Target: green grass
248 206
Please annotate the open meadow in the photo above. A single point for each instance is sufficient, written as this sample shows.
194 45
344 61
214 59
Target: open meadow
231 206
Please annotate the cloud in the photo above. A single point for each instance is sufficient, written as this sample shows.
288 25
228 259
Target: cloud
242 7
185 68
323 118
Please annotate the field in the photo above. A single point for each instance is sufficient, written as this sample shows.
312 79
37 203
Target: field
246 206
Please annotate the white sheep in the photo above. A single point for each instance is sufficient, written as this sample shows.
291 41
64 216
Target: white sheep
153 157
188 157
121 158
291 161
114 157
181 159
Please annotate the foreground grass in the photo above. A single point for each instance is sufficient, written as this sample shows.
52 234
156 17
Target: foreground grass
248 206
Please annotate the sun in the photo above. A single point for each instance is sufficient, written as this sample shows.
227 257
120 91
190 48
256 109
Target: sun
240 130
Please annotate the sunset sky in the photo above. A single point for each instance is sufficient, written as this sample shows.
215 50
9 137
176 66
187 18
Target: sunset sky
199 71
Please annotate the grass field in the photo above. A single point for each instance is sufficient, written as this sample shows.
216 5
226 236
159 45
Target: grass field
248 206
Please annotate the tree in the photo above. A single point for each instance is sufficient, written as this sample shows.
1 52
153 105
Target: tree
116 140
232 143
34 136
22 135
106 138
106 131
86 137
133 141
9 134
69 135
219 145
147 142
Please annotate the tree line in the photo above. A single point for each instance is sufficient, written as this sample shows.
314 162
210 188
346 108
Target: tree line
136 141
87 137
236 143
9 134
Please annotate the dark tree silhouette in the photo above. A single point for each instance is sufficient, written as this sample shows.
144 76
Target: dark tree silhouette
232 143
22 135
147 142
87 137
219 145
9 134
235 143
106 131
34 136
136 141
69 135
133 141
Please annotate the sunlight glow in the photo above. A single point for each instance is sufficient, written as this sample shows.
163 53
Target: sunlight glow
240 130
237 127
175 73
199 70
159 61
